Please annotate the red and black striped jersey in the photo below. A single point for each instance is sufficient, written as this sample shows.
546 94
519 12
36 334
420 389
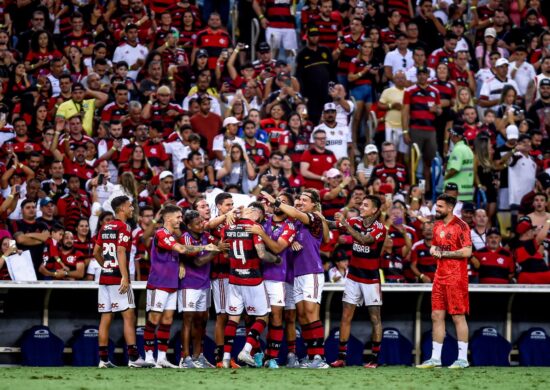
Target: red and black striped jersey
398 238
529 258
420 100
307 15
364 264
112 235
388 36
213 42
159 113
331 207
495 266
177 16
358 65
82 41
401 6
350 51
328 30
259 153
458 75
244 262
159 6
440 56
260 66
71 208
86 247
187 40
425 262
279 13
114 112
447 90
141 253
398 172
393 266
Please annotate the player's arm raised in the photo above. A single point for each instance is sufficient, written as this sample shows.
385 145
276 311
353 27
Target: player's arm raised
291 211
265 255
274 246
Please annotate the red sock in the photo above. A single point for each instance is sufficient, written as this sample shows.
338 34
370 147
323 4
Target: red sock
317 346
104 354
343 350
253 337
306 336
163 336
149 336
229 335
291 346
274 341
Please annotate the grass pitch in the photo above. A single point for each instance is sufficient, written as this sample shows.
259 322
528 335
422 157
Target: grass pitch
332 379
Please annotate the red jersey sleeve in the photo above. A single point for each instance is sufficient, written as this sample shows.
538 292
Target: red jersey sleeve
407 97
165 240
437 98
289 232
465 238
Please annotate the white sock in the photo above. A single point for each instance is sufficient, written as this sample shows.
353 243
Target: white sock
463 350
226 356
436 350
247 347
161 355
149 355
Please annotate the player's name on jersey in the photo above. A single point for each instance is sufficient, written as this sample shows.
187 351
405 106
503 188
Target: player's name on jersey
109 236
238 234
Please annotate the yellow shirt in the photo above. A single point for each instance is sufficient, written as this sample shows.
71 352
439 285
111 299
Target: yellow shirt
68 109
393 95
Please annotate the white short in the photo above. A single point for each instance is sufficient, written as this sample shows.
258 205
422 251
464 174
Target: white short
360 294
290 304
109 300
285 37
159 300
220 289
395 136
276 292
190 299
253 299
309 288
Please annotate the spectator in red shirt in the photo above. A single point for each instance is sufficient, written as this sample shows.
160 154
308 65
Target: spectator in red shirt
206 123
74 205
316 161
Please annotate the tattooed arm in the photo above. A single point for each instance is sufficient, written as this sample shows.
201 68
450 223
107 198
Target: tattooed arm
187 249
363 239
265 255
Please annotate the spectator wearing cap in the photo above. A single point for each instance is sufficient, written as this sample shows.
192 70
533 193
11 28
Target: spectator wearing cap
522 171
538 112
223 141
316 161
445 54
334 197
520 70
421 105
458 27
527 252
339 272
491 91
83 102
534 91
314 70
344 107
47 207
264 66
339 139
366 166
503 155
165 190
214 39
495 264
460 167
486 47
391 101
400 59
131 51
206 123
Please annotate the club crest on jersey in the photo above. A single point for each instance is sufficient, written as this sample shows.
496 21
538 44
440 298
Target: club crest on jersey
442 234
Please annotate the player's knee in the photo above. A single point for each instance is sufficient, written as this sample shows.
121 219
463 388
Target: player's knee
290 317
438 316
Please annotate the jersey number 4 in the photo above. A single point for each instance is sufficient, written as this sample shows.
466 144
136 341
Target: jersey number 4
109 255
238 251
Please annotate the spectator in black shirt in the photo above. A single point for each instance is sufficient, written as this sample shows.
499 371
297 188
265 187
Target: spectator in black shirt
430 29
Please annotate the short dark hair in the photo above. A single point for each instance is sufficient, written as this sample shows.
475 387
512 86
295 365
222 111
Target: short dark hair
375 200
169 209
450 200
257 205
119 201
190 216
541 194
220 198
26 202
145 208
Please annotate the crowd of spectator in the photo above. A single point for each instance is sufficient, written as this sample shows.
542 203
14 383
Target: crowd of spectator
162 101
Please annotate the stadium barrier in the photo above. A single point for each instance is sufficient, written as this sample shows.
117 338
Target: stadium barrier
397 309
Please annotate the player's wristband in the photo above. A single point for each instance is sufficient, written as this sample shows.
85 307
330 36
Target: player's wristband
277 203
